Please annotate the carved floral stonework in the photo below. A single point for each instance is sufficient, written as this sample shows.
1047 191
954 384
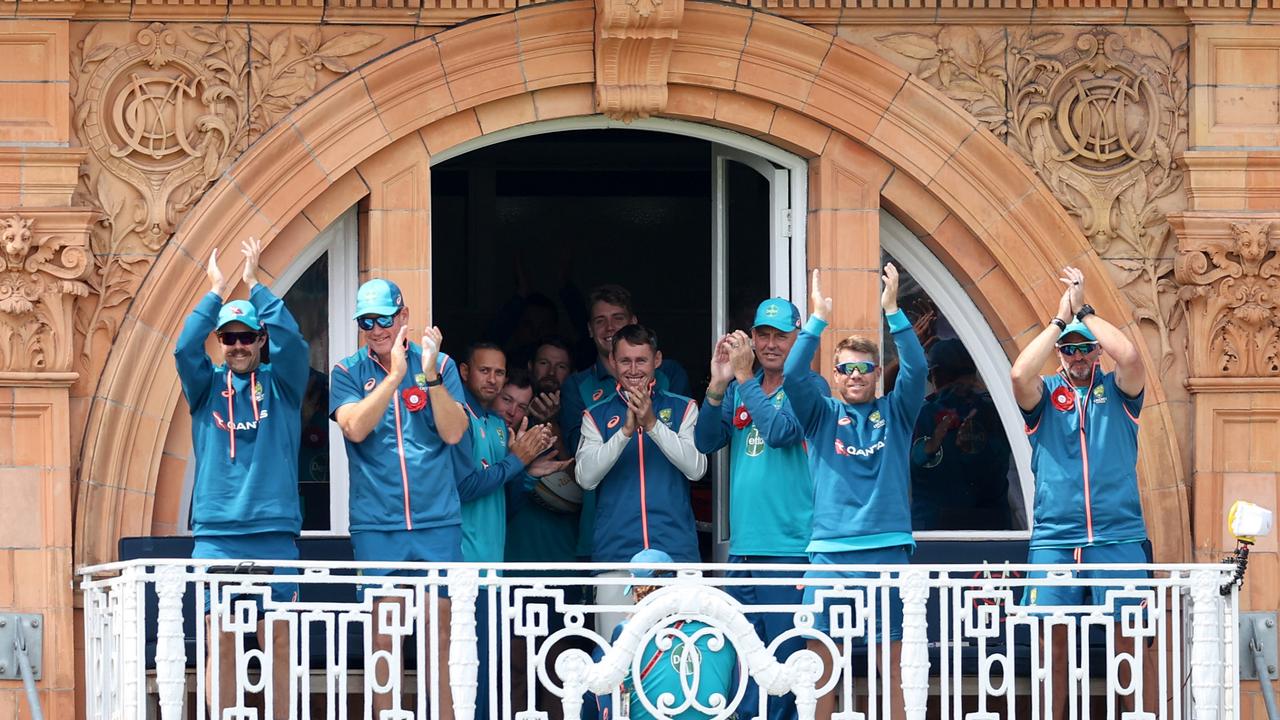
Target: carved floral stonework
633 53
1232 286
40 276
1099 114
166 112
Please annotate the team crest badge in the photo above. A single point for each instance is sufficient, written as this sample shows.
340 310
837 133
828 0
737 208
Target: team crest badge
368 384
741 418
779 399
420 379
597 395
613 422
259 395
876 418
1063 399
665 416
1099 394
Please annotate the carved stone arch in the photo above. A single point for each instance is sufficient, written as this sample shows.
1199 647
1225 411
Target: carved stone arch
972 200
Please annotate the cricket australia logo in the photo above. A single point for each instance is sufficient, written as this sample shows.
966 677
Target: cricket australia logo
1099 395
877 420
755 443
665 416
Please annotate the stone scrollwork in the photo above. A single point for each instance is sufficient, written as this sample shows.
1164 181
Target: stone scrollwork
634 39
164 115
1100 115
40 275
1232 285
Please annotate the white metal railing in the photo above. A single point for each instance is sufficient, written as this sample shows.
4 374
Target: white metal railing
969 650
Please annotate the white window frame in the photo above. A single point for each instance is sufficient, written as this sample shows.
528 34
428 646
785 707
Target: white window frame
993 367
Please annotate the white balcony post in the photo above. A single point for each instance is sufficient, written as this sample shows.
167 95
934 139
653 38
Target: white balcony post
464 660
915 644
171 649
1206 645
131 648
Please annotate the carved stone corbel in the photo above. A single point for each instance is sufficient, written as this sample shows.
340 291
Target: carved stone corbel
43 260
1230 277
633 52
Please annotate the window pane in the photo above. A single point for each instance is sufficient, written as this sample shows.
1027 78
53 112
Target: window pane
308 300
970 482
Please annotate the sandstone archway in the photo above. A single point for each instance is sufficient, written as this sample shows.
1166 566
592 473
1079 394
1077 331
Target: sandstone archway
875 135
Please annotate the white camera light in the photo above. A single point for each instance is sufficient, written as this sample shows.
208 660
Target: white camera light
1247 521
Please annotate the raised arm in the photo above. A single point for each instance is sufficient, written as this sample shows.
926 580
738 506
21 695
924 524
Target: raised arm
290 354
913 367
1131 376
810 406
195 369
1027 385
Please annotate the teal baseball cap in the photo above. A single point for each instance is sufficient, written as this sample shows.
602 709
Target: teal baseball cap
378 297
1077 327
648 556
777 313
239 311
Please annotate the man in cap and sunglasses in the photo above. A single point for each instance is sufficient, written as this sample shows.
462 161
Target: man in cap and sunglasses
858 458
1082 423
770 493
246 426
399 406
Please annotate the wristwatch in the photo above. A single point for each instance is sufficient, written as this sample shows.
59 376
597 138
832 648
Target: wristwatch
433 383
1085 309
1062 325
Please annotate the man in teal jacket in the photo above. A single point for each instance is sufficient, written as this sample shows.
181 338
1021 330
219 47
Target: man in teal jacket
246 425
858 454
1082 423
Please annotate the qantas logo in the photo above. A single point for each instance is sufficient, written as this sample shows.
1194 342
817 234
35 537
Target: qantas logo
247 425
842 449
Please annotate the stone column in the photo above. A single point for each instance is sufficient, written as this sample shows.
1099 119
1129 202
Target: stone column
43 260
1229 275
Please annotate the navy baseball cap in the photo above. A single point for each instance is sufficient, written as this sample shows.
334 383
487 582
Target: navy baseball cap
378 297
239 311
1077 327
777 313
648 556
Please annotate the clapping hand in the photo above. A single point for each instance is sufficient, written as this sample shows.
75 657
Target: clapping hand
889 298
821 303
252 249
217 283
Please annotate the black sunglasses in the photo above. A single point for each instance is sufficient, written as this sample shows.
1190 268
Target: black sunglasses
367 322
239 338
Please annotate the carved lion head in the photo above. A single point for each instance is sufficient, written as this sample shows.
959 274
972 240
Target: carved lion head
1251 240
15 238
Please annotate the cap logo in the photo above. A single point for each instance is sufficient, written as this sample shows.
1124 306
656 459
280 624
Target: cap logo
771 311
396 300
236 311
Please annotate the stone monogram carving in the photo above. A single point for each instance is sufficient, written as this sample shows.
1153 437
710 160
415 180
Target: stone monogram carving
39 278
1100 116
1232 284
164 115
633 53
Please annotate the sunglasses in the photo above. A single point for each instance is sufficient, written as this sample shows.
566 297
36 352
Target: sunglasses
1077 349
367 322
865 367
238 338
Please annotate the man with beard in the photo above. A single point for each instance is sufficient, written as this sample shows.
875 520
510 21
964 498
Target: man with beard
637 451
245 496
858 446
770 494
399 406
609 309
1082 423
549 368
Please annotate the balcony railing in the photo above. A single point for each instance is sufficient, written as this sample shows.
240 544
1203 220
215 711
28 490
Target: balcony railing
969 649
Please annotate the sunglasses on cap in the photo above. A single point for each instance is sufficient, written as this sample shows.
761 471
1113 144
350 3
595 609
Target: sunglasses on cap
1077 348
864 367
367 322
247 337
